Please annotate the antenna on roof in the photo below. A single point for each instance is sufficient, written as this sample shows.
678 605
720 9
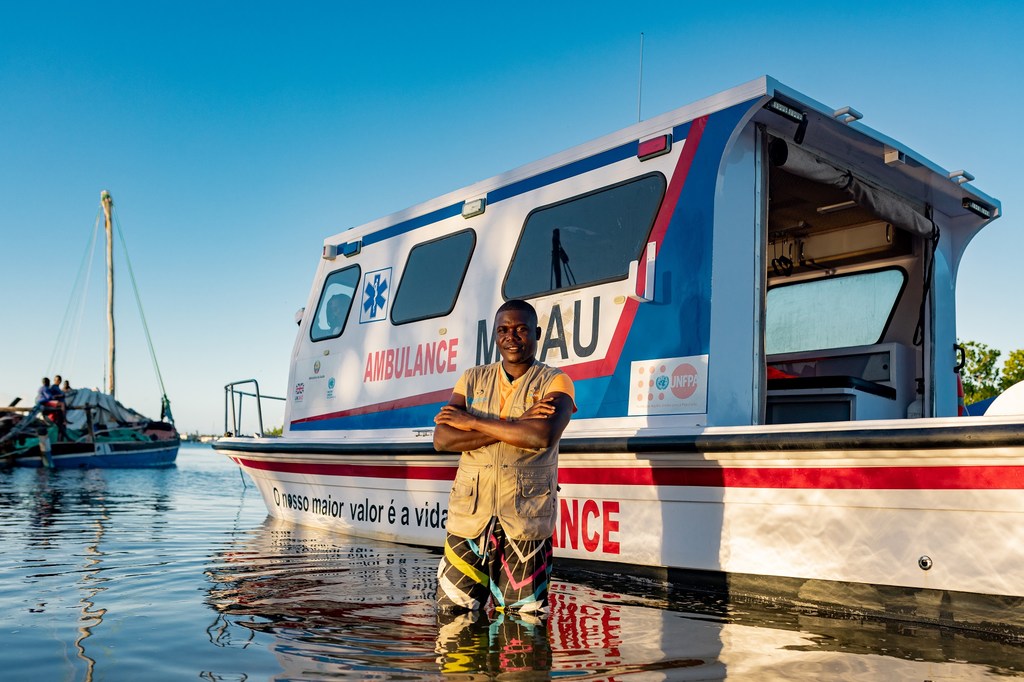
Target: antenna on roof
640 84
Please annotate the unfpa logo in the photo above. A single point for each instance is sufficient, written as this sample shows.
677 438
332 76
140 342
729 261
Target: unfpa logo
669 386
684 381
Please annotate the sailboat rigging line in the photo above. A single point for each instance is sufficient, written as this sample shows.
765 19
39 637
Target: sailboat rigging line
67 336
138 303
82 306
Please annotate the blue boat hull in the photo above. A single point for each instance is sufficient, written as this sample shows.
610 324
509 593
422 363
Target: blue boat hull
115 455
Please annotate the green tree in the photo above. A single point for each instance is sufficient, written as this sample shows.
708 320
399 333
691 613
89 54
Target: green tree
980 373
1013 369
274 431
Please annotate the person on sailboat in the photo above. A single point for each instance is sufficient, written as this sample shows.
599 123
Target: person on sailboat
51 398
43 394
506 418
61 417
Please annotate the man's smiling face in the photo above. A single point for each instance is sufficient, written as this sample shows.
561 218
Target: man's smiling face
517 333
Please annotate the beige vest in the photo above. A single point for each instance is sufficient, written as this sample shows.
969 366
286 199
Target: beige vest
517 485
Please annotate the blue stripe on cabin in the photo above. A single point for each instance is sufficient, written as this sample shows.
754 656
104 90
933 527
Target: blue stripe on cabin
516 188
554 175
413 223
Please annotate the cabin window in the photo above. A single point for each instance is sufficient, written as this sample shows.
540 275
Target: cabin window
335 303
584 240
835 312
432 277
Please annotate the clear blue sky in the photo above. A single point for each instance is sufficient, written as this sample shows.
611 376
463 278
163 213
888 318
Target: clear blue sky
234 137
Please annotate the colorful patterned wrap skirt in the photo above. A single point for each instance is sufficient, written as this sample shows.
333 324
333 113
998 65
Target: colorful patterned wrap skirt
514 574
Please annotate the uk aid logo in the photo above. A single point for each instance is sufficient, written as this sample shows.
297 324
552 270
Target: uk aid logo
376 296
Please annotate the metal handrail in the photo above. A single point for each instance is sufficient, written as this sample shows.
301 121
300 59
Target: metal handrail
235 411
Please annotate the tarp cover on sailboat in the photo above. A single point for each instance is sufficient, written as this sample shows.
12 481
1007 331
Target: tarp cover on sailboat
105 410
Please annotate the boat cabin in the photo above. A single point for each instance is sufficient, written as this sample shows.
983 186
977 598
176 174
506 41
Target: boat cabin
753 258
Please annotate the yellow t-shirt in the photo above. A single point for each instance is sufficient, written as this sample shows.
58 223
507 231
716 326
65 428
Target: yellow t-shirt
560 384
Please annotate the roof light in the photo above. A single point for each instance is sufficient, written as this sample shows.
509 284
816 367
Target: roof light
978 208
893 156
793 114
783 109
348 249
474 207
654 147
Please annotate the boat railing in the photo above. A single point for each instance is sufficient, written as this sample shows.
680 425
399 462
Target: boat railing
32 414
233 406
23 424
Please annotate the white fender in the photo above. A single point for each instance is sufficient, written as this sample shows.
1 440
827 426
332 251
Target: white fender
1010 401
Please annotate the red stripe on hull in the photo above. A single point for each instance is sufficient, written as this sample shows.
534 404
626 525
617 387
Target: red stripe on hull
398 471
844 478
841 478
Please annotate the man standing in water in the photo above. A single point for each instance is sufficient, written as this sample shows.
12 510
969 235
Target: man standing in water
506 418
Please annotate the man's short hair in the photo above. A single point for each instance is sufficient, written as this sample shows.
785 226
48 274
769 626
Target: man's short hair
517 304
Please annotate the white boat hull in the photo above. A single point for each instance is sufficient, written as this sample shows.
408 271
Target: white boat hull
938 518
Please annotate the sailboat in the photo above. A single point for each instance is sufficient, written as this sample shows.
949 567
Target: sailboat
98 431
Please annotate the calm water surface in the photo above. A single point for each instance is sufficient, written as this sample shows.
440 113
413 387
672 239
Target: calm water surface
180 575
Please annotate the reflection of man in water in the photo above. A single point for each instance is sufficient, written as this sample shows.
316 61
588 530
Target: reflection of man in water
336 314
506 418
472 647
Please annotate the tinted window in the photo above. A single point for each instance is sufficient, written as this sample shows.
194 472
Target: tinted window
587 239
852 310
335 302
432 278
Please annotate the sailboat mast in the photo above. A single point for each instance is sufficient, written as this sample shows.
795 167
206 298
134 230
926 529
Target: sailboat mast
108 207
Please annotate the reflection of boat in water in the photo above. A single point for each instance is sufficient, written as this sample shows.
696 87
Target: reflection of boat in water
101 432
335 606
759 318
92 584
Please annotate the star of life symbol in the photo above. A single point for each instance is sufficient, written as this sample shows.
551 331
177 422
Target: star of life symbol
375 296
